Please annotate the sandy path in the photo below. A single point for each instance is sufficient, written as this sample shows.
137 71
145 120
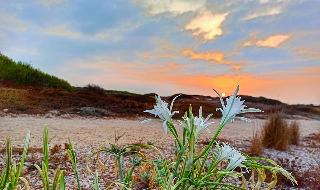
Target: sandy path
94 132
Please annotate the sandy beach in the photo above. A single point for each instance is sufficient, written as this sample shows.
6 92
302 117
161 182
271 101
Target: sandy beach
95 132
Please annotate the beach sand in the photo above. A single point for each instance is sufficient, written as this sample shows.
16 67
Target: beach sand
96 132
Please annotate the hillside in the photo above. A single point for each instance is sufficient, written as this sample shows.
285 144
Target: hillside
19 73
25 90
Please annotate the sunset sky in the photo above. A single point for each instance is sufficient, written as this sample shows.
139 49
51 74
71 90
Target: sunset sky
270 48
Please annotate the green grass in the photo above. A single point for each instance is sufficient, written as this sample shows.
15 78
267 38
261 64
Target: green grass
24 74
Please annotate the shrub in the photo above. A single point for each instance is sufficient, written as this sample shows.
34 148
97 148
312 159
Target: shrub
294 133
24 74
95 88
275 132
256 147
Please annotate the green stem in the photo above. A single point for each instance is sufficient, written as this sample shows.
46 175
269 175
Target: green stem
120 168
174 132
206 150
189 163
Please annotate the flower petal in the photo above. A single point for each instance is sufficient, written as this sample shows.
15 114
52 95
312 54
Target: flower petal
171 106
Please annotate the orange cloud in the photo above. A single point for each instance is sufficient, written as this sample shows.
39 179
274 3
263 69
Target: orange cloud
206 25
213 57
217 57
273 41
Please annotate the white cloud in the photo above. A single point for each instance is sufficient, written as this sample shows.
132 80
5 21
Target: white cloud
174 7
264 13
206 25
271 1
263 1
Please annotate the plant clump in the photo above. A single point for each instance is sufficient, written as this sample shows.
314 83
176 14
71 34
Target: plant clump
276 133
256 147
294 132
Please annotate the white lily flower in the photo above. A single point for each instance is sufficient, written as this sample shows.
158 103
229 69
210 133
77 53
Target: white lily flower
200 122
223 152
233 106
235 160
162 111
226 152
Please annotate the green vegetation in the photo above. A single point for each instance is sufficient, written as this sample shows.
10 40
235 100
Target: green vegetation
24 74
11 174
216 165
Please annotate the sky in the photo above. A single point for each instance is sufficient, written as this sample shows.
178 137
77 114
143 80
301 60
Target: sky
269 47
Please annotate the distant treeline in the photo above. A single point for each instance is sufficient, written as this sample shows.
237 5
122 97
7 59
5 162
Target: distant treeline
24 74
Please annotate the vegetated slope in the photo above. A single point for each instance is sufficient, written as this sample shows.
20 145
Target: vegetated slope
20 73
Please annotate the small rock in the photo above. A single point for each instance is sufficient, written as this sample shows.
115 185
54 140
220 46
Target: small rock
5 110
54 112
66 116
49 115
92 111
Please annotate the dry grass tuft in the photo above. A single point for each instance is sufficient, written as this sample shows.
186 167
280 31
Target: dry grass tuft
316 137
146 177
314 140
294 132
256 147
276 133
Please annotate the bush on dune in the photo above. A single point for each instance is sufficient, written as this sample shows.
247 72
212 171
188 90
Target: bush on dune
276 133
294 133
256 147
95 88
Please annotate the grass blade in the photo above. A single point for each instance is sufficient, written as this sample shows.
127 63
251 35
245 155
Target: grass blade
22 160
62 182
96 182
6 173
73 159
